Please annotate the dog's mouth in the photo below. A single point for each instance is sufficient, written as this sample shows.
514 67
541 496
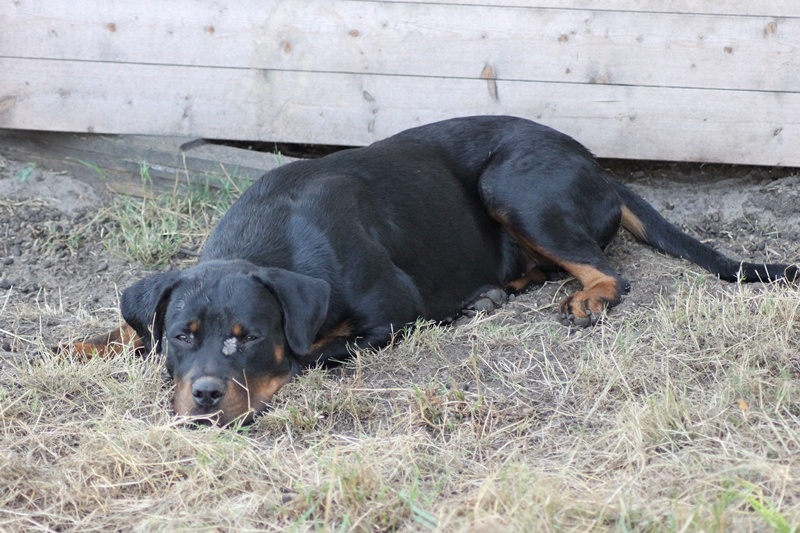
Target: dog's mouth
209 400
219 418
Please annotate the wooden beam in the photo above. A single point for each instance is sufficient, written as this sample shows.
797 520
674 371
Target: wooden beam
629 78
120 163
431 39
356 109
778 8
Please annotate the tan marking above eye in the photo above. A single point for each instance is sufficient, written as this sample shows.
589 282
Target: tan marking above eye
194 326
280 353
237 330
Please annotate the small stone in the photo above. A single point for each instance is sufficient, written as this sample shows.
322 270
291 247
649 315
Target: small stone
582 322
8 261
5 284
16 251
497 296
102 267
6 347
484 305
461 321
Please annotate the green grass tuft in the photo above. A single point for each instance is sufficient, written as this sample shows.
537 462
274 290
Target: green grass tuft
152 229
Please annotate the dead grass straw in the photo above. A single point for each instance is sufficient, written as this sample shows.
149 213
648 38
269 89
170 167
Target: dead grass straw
683 418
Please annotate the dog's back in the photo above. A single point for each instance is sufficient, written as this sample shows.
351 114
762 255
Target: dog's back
406 210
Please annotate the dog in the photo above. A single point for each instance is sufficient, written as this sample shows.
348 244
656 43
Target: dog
324 256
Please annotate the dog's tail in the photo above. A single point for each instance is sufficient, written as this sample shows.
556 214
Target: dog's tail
643 221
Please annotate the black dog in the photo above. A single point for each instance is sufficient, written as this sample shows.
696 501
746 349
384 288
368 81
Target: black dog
320 256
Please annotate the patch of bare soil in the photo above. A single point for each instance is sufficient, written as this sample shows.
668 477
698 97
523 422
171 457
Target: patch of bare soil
56 271
54 266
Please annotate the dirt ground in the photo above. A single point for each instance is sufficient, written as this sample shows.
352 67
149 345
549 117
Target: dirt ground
42 264
749 213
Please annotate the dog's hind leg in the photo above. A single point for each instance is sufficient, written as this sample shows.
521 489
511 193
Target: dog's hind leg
602 287
563 214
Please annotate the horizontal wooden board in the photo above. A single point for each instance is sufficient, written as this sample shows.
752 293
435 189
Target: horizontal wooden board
779 8
678 79
356 109
420 39
116 162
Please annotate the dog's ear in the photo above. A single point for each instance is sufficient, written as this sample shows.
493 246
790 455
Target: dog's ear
143 305
304 301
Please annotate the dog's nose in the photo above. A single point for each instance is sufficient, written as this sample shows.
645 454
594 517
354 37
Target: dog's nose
207 391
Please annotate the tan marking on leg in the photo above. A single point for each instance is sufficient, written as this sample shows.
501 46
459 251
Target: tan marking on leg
107 345
600 290
534 276
343 329
633 224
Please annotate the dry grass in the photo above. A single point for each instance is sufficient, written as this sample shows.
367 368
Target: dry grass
153 228
684 418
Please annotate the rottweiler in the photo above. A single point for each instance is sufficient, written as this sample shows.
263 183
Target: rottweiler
324 256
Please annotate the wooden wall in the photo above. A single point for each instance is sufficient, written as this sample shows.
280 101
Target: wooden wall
673 80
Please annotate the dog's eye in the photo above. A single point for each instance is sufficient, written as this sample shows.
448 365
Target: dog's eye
250 338
182 337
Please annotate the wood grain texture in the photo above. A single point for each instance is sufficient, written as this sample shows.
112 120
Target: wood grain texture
343 108
532 44
627 78
787 8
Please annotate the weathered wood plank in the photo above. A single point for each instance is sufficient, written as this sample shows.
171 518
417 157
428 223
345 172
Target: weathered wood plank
779 8
338 108
630 78
116 161
533 44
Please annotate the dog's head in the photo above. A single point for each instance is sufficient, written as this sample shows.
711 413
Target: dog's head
230 330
